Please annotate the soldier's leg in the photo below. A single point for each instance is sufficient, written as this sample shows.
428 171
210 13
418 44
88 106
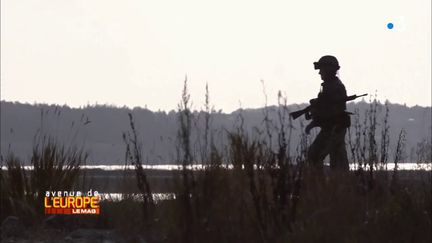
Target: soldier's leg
338 153
319 149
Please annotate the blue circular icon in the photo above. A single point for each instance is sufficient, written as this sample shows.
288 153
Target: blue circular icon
390 26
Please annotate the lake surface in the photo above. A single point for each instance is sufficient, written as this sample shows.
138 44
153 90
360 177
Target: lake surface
171 167
157 197
118 182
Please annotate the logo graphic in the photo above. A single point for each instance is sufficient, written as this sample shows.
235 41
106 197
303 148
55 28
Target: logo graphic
72 202
399 24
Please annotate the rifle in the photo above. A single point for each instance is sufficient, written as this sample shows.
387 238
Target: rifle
297 114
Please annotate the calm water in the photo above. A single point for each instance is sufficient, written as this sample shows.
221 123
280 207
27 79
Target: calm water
157 197
389 166
401 166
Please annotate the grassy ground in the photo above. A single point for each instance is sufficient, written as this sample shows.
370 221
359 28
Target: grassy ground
332 207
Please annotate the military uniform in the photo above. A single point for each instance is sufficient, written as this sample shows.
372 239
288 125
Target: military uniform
328 112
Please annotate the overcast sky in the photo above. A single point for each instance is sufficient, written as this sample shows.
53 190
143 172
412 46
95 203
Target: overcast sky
137 52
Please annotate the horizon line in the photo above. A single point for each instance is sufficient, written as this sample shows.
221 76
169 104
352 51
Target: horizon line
116 106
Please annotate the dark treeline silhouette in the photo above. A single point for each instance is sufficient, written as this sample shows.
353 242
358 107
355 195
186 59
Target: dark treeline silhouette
99 128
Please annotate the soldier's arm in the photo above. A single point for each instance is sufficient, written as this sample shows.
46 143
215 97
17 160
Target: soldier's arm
331 95
330 103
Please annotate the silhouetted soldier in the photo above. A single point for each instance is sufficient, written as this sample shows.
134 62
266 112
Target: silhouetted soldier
328 112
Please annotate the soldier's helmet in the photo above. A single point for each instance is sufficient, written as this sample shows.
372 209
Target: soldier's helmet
327 62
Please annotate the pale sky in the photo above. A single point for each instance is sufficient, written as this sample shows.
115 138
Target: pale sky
138 52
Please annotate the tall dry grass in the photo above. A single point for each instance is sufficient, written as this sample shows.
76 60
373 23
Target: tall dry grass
54 166
270 195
